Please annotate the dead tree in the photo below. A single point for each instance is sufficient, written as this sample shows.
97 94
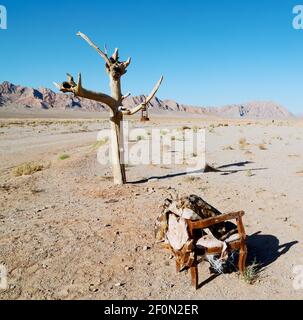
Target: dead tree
115 69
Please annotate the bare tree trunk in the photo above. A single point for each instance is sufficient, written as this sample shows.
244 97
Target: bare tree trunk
117 150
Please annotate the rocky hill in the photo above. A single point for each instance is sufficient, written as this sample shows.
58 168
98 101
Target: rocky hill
20 98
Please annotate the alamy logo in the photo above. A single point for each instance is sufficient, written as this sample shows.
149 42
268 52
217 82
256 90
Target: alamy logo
3 277
154 146
3 18
298 280
298 19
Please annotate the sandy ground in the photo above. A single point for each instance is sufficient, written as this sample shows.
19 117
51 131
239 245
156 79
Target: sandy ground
68 233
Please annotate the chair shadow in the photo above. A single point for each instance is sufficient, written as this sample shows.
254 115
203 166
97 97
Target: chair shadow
208 169
209 279
263 248
266 249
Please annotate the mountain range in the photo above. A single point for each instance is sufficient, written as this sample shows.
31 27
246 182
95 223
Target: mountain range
19 98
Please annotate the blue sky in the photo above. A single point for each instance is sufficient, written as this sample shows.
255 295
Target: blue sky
211 53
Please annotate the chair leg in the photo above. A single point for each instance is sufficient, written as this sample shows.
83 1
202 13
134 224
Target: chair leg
194 275
242 258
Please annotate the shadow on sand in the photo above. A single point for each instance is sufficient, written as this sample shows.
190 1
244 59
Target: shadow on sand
207 169
262 248
266 249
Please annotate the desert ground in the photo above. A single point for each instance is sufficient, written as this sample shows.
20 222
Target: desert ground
66 232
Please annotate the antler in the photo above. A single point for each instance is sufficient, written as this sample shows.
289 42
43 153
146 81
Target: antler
143 105
102 54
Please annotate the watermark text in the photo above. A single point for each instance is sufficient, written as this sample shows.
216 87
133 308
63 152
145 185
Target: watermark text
298 19
3 17
154 146
3 277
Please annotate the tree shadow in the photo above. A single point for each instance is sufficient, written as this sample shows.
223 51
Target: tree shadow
167 176
208 169
237 164
266 249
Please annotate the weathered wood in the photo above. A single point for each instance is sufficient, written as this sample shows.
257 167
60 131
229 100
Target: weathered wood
145 103
235 245
115 69
102 54
202 224
194 275
243 247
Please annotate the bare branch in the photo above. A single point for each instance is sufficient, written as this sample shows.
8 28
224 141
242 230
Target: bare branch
153 93
57 85
115 55
78 90
126 95
127 62
143 105
102 54
130 112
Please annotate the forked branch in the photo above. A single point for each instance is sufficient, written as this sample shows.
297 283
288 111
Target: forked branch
102 54
142 105
110 62
76 88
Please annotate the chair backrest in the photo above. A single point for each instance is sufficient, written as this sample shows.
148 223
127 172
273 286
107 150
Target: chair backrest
202 224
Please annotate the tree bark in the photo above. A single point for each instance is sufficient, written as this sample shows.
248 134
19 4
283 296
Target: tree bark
116 119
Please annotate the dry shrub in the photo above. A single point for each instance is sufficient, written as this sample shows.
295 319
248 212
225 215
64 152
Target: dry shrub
64 156
243 143
262 146
192 179
100 143
228 148
251 273
249 173
27 169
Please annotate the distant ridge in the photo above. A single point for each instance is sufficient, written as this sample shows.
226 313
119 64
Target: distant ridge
16 97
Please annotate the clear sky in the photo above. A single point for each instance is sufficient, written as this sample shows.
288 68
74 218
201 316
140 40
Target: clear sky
211 53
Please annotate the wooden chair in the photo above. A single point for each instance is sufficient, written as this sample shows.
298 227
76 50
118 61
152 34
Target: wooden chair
238 244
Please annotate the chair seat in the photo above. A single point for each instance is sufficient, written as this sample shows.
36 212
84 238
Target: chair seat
233 238
212 243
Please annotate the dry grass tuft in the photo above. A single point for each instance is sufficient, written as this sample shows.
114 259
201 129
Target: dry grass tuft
211 128
249 173
64 156
251 273
100 143
228 148
192 179
262 146
27 169
243 143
